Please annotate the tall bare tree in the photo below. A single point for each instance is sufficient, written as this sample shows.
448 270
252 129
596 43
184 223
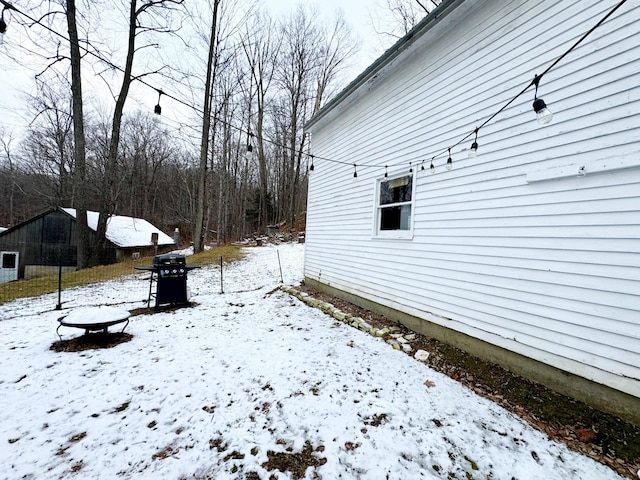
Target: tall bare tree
9 170
143 18
337 47
80 173
404 15
311 58
261 43
198 230
49 144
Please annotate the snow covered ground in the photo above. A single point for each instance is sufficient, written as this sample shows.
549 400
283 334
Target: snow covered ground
210 391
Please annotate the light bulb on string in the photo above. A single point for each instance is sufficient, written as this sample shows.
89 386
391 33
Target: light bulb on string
410 168
249 145
249 153
422 166
473 151
449 161
311 167
158 109
432 167
543 114
3 26
355 172
385 172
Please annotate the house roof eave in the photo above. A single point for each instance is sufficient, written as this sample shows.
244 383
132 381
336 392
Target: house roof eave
424 26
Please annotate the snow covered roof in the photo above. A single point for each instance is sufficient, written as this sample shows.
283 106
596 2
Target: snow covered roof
126 231
2 229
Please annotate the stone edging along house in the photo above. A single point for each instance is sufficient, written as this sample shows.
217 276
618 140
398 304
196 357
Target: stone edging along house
527 254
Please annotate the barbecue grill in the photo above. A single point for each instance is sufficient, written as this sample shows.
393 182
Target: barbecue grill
169 275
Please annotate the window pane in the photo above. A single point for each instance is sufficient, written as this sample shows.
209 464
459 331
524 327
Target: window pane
9 260
396 191
395 218
405 217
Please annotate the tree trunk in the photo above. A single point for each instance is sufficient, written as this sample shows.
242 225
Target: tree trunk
107 204
204 143
84 249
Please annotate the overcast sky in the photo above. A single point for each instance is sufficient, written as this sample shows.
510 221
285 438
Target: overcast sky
358 13
17 79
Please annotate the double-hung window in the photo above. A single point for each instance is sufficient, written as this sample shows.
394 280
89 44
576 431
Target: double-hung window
394 207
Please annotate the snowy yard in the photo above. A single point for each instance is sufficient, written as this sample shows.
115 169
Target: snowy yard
240 383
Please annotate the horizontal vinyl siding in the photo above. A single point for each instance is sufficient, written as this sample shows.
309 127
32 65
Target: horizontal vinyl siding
501 250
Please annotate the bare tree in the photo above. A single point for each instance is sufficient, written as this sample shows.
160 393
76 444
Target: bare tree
261 86
337 46
146 149
80 174
198 230
261 43
49 144
9 174
143 18
311 58
404 15
299 60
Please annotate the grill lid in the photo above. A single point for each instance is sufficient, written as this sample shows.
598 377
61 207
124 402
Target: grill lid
168 259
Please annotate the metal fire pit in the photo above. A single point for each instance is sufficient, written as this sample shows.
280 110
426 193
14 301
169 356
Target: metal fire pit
169 275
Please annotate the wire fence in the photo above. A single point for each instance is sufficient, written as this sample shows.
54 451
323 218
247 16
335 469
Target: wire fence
53 283
65 286
30 269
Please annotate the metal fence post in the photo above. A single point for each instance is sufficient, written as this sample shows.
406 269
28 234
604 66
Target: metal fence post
221 277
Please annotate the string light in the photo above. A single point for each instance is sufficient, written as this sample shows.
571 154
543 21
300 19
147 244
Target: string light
3 26
473 151
422 166
542 112
158 109
355 172
385 172
410 168
309 154
249 143
3 23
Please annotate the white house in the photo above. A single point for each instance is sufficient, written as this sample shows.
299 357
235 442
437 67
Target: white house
529 253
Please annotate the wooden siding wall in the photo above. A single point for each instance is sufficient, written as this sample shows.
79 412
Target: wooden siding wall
512 247
42 241
49 239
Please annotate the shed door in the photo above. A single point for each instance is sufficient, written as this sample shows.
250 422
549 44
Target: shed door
8 266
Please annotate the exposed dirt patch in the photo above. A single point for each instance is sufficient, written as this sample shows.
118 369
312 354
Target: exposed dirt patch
604 437
76 438
376 420
91 341
296 463
162 308
121 408
166 452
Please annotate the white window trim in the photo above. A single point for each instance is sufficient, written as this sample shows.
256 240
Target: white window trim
394 234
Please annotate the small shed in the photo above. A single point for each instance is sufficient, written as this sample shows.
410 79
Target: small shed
39 246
